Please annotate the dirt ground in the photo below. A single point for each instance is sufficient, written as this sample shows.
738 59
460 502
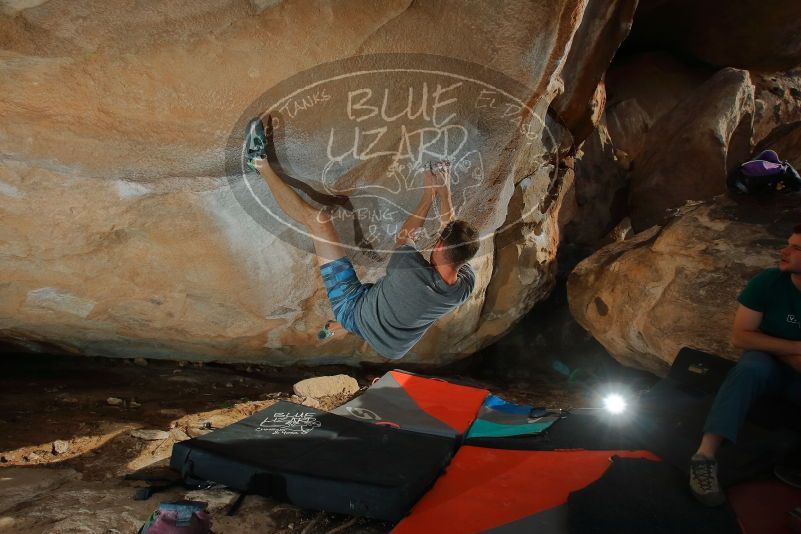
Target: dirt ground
66 443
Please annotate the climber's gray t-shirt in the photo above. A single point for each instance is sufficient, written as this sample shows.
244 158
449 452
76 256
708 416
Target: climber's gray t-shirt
397 310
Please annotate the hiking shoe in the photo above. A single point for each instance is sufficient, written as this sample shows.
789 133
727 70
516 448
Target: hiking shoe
704 481
255 141
788 474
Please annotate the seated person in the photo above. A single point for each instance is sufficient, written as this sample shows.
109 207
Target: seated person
767 326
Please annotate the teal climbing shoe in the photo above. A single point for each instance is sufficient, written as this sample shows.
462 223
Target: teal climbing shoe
255 141
325 332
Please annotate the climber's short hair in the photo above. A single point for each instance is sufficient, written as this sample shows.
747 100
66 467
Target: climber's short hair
460 241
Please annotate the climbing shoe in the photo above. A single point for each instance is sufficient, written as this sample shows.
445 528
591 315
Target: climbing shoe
704 481
326 331
255 141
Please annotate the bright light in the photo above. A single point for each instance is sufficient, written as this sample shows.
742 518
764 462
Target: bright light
614 403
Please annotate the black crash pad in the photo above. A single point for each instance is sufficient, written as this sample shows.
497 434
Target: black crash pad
318 460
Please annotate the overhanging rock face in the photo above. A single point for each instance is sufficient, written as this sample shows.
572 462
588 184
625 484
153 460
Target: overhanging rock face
124 232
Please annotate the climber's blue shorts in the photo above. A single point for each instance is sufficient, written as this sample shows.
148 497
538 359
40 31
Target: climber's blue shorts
344 291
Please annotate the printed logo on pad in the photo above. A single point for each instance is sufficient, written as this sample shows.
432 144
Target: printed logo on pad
289 424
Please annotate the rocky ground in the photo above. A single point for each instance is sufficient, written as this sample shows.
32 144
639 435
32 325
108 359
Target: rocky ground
71 428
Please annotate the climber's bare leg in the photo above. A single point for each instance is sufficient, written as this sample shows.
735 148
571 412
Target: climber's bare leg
327 244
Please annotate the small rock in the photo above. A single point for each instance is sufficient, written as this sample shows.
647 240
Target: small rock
196 432
141 362
324 386
229 385
114 401
66 399
134 404
32 457
60 446
218 499
183 363
150 435
178 434
311 402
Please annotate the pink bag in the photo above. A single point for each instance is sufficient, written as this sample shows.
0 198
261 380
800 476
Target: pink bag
179 517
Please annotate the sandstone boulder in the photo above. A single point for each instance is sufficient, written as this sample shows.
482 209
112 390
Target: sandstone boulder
630 123
664 289
525 260
123 233
688 153
643 88
600 190
604 26
325 386
786 141
777 99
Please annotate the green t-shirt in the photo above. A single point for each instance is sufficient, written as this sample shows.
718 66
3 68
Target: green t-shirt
773 293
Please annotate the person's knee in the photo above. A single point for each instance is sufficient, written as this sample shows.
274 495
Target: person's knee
322 227
756 365
316 220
